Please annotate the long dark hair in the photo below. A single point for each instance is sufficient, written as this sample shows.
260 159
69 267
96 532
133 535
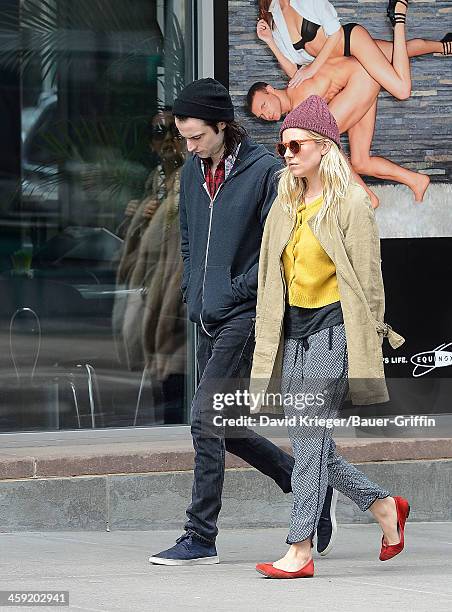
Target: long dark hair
264 13
234 133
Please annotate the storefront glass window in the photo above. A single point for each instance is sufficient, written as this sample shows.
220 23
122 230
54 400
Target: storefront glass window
92 325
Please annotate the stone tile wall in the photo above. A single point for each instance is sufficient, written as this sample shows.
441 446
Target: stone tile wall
416 133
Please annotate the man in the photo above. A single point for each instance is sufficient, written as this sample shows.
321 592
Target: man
349 90
227 189
351 94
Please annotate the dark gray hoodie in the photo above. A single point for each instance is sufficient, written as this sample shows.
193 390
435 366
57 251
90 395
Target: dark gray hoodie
221 238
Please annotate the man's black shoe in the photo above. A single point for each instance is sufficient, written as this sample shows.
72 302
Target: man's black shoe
327 527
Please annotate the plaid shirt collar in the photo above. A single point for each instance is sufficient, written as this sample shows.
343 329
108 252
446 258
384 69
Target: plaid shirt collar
213 182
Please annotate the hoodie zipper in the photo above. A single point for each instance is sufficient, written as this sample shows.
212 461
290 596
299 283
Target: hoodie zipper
212 200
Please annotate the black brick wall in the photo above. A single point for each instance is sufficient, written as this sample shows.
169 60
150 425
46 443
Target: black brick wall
416 133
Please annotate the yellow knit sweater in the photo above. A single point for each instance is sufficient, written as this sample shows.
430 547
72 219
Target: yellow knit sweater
309 272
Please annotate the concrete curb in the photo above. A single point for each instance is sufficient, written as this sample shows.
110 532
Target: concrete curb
138 457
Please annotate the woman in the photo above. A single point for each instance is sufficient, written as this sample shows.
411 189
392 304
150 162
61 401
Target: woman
144 242
320 280
300 32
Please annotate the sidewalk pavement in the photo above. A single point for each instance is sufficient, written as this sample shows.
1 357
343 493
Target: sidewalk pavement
109 572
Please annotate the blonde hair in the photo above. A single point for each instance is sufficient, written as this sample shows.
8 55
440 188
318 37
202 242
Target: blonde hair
335 176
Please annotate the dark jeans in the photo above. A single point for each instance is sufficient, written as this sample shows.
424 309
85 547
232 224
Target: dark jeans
225 355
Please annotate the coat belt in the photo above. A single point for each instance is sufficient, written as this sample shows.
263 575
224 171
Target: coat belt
395 339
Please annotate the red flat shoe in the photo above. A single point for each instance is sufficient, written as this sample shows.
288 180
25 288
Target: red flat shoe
267 569
403 512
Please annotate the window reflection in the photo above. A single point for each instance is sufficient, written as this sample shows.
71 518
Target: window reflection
91 315
149 317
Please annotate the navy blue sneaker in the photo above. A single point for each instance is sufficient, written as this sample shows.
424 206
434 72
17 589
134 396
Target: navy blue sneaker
188 550
327 527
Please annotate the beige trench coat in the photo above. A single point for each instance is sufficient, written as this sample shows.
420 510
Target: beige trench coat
354 247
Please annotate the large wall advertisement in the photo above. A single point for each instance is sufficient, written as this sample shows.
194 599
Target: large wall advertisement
401 148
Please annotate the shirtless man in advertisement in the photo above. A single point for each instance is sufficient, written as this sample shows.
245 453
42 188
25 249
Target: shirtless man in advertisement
351 94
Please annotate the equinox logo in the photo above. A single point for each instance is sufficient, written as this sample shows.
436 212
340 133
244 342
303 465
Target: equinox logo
430 360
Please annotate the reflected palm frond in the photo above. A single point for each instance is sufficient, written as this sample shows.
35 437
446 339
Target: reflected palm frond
54 30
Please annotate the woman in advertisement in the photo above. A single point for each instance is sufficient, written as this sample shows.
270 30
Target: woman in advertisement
320 281
301 32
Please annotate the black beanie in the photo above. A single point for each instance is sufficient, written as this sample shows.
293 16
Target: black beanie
205 99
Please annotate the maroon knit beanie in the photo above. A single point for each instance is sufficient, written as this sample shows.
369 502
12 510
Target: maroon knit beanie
313 114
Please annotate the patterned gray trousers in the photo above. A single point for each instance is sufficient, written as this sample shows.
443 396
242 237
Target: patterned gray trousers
315 378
